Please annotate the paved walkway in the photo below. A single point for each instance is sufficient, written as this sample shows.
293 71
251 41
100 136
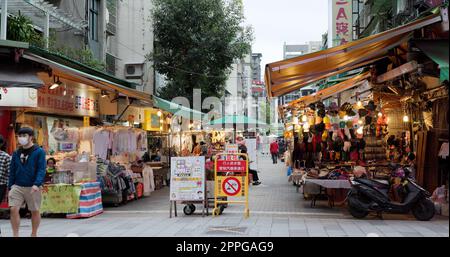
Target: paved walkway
276 210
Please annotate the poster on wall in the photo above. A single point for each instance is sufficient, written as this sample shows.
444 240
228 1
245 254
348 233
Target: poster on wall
187 179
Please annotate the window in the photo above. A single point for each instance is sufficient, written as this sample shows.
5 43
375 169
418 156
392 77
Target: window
93 11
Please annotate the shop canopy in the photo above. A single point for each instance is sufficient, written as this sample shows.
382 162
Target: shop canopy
437 50
333 90
19 76
286 76
238 120
177 109
82 76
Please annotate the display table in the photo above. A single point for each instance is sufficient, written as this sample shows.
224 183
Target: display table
331 183
82 200
335 190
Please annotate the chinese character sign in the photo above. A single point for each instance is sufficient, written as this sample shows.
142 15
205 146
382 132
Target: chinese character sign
341 22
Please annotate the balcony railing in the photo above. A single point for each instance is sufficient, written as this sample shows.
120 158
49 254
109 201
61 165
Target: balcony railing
111 26
110 64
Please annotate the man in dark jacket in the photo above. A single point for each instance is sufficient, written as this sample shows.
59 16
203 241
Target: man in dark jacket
27 173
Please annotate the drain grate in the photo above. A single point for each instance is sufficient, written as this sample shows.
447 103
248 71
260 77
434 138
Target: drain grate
227 230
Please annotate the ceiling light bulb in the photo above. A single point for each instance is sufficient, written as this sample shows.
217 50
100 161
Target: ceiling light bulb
380 114
359 104
360 122
54 86
159 113
405 118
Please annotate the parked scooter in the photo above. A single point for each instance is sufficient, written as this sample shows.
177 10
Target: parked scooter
368 195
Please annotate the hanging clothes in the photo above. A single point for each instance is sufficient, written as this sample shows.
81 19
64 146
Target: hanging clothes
443 152
102 142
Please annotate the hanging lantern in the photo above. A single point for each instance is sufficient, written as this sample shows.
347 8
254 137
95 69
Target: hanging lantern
405 118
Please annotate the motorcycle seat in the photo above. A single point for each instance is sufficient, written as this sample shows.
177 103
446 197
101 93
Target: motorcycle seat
373 183
379 186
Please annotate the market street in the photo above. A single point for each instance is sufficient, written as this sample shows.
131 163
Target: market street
276 209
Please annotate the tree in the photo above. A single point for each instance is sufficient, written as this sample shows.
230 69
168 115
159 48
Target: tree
196 42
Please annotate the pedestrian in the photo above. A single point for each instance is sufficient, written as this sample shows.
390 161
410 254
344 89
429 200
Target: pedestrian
254 173
5 160
27 172
297 155
274 151
281 148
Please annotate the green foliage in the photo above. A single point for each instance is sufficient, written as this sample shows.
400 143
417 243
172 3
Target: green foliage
196 42
20 28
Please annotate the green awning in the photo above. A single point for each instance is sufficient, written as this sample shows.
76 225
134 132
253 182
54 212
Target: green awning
177 109
437 50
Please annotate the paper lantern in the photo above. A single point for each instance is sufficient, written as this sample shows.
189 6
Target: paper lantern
342 114
311 120
342 124
326 120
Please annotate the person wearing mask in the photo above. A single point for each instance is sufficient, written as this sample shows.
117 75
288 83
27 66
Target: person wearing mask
274 151
5 160
27 173
250 171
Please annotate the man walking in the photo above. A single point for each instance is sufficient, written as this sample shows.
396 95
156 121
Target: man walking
5 160
274 151
27 172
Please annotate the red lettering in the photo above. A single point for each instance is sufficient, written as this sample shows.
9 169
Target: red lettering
341 14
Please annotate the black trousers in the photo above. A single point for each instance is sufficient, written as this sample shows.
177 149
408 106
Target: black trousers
254 174
274 157
2 192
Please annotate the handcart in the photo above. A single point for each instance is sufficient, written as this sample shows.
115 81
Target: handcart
190 208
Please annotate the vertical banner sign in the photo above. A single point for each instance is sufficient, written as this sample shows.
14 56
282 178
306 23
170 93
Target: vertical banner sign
340 22
187 179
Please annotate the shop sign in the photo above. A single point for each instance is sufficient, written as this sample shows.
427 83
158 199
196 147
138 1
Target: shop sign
187 179
18 97
340 22
152 122
68 101
61 199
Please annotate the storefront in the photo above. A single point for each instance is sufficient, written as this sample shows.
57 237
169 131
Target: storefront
69 113
384 111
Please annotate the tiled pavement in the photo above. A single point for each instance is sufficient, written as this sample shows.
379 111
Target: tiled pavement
276 210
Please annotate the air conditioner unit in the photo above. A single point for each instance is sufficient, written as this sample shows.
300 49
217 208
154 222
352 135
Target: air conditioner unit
134 70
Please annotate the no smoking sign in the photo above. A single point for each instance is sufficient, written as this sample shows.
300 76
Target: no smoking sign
231 186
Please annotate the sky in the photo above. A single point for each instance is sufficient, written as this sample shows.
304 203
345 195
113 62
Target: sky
290 21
